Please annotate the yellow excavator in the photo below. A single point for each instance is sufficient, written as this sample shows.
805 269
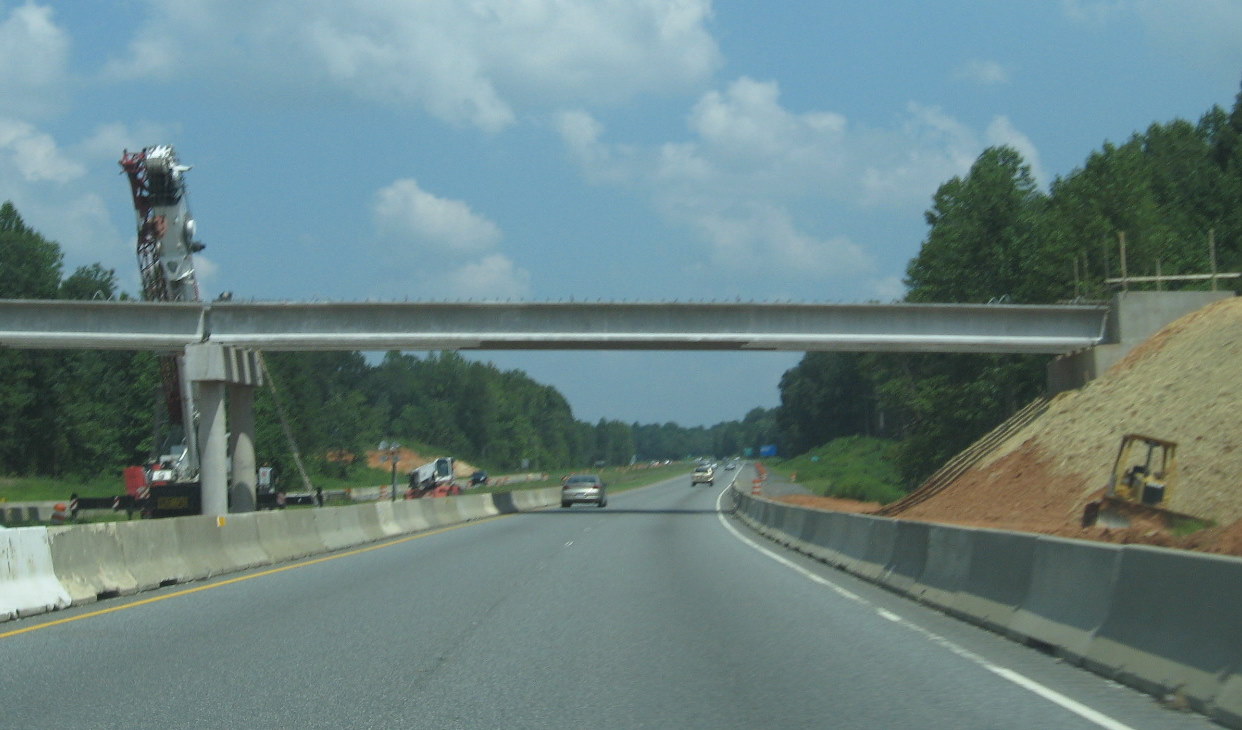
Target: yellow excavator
1143 480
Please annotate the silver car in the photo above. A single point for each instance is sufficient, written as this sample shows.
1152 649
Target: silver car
583 488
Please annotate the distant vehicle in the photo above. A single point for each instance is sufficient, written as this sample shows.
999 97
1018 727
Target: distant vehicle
583 488
478 479
730 466
704 474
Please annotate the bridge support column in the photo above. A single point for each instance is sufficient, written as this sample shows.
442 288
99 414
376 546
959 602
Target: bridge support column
241 418
215 369
213 448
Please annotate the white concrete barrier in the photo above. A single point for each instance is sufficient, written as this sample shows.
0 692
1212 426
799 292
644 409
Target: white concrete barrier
202 546
240 534
411 515
477 506
386 513
28 584
330 523
88 561
152 553
43 569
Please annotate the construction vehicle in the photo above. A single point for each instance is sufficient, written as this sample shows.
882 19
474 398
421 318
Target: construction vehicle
1142 482
166 244
433 479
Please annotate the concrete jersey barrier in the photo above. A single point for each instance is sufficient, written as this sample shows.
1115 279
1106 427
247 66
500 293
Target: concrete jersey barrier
1163 621
44 569
89 563
28 584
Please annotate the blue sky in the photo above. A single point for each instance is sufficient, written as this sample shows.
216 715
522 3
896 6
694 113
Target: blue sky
595 149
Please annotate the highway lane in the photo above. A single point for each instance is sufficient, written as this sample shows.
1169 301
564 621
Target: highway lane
650 613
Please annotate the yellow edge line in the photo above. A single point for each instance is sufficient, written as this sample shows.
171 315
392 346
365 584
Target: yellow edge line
239 579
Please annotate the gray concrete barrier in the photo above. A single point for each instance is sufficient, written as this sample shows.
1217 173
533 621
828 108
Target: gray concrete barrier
948 563
1174 625
905 567
998 577
1163 621
881 537
1062 568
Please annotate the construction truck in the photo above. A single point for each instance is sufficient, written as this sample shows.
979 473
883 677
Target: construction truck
433 479
168 484
1140 486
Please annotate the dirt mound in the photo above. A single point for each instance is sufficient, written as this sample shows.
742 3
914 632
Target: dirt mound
1182 384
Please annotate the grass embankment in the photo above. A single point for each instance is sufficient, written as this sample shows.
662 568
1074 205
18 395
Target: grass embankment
45 489
856 467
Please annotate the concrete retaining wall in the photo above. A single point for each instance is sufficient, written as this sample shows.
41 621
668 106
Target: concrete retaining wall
1163 621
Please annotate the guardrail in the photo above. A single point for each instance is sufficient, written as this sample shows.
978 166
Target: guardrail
1163 621
48 568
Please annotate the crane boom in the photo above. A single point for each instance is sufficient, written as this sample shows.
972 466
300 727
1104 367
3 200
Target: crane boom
166 245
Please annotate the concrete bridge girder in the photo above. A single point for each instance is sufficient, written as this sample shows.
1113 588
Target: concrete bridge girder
219 339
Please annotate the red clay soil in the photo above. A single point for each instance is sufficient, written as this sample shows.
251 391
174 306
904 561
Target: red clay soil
1182 384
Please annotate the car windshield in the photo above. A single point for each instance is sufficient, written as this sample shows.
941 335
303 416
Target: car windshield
582 479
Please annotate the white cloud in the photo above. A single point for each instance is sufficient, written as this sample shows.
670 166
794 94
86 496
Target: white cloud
34 58
33 155
762 185
986 73
493 277
1002 132
601 163
765 238
479 63
405 210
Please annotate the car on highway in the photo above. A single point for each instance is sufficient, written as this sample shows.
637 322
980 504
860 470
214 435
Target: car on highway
586 488
703 474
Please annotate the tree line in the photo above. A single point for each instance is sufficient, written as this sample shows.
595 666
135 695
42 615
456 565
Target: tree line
87 413
994 236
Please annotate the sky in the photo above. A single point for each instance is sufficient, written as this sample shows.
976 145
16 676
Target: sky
543 150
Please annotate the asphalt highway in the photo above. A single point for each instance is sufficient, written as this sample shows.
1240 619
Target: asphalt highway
660 611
